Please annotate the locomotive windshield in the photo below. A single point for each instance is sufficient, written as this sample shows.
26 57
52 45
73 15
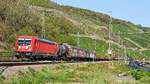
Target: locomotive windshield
22 41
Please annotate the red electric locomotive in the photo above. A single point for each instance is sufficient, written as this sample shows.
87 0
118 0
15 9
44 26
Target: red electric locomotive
33 47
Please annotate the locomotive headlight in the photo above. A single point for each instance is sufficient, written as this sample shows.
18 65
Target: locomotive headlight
27 47
19 47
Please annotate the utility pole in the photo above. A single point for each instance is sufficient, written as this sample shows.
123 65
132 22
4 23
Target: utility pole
94 39
125 53
78 39
43 25
119 41
109 35
95 48
95 44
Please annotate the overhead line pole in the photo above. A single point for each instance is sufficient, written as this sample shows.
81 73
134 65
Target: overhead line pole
78 40
109 33
43 25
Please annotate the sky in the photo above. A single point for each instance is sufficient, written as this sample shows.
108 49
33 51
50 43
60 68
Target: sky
136 11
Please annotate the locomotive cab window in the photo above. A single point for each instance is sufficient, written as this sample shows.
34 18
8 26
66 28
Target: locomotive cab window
22 41
27 41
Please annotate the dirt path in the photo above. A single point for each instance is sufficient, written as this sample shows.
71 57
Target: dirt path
10 71
128 39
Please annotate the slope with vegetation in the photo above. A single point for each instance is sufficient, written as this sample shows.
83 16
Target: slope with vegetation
62 23
100 73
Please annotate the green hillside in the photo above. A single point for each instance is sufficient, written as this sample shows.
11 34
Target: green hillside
62 23
97 73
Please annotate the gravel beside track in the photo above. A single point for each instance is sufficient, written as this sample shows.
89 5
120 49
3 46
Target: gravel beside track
8 59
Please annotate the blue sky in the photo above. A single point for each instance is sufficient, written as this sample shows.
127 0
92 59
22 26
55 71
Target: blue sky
136 11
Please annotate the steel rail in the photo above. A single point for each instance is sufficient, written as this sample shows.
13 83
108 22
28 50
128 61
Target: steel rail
27 63
19 63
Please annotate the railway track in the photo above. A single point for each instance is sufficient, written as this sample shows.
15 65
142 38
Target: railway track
13 61
23 63
8 64
8 69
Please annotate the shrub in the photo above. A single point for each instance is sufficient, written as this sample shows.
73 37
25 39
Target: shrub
139 74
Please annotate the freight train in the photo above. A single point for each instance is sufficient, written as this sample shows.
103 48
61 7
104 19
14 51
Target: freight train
34 48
